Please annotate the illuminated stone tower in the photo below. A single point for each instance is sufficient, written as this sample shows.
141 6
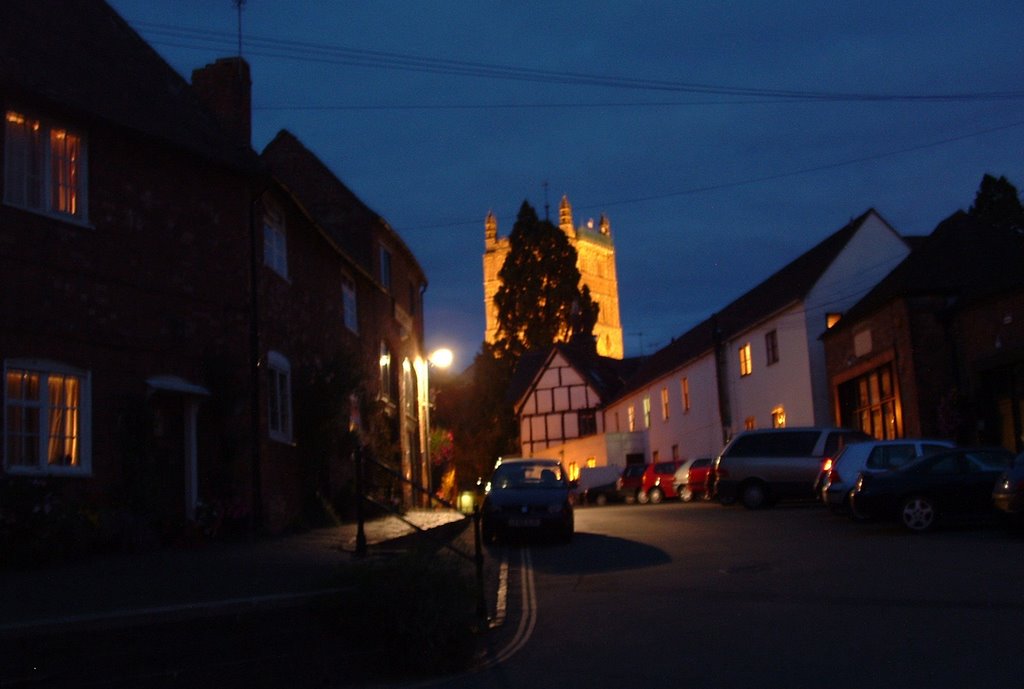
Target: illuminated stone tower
596 262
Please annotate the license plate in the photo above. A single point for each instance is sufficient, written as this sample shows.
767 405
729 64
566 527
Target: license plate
523 522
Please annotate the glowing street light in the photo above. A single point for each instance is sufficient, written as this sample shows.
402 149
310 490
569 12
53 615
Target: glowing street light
441 358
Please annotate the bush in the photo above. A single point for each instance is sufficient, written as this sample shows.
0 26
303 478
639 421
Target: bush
411 613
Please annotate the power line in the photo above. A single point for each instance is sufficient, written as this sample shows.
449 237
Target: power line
765 178
162 34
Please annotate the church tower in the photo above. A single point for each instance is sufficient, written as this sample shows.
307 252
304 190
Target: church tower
595 253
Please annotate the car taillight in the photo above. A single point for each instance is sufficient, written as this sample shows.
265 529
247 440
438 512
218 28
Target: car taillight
827 466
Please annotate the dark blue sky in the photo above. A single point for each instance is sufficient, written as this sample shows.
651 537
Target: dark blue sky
721 139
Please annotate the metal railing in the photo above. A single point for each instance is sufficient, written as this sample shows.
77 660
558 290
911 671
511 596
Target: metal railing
363 497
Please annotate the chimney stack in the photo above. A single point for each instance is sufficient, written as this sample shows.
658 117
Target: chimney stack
226 89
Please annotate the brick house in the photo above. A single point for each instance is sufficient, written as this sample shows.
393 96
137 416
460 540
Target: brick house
168 304
936 349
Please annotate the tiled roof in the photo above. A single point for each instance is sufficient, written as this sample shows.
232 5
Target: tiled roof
789 284
82 59
331 204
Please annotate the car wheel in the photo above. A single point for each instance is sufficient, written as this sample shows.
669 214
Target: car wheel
754 496
601 499
642 497
686 495
656 495
918 513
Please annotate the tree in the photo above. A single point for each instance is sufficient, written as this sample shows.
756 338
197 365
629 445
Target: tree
540 301
997 204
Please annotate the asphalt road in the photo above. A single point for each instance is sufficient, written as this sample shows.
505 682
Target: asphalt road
706 596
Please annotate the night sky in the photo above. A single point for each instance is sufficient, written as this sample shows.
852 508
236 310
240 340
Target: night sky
721 139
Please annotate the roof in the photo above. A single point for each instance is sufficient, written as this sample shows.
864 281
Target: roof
961 260
82 58
333 206
790 284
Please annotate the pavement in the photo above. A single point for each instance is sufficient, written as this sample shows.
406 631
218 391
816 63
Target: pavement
211 579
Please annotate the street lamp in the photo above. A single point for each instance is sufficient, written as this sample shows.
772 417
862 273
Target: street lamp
441 358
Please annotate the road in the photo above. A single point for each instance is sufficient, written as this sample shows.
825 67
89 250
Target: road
706 596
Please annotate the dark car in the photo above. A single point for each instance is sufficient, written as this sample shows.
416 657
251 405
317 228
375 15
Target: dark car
658 482
692 478
599 485
954 483
629 484
527 496
1008 493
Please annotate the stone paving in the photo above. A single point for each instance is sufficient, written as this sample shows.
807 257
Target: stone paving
178 583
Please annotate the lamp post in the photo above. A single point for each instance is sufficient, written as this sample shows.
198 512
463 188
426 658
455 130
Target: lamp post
441 358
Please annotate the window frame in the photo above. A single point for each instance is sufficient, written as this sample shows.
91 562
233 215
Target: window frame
349 303
746 360
771 347
83 414
280 421
38 187
275 241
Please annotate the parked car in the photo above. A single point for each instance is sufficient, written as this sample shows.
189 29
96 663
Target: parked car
1008 493
631 481
952 483
599 485
760 467
838 474
658 482
527 496
692 478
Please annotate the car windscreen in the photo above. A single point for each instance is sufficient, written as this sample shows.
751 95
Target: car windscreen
777 444
525 475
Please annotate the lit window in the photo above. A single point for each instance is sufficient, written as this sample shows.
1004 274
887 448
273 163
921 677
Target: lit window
778 417
664 404
275 247
385 267
46 411
591 462
632 418
279 397
385 371
771 347
746 364
685 385
750 423
647 412
832 318
349 303
44 167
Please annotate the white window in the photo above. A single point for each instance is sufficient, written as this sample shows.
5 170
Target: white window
46 418
647 412
275 245
44 167
349 303
279 397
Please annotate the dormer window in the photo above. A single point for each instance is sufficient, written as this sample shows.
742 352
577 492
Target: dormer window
275 246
